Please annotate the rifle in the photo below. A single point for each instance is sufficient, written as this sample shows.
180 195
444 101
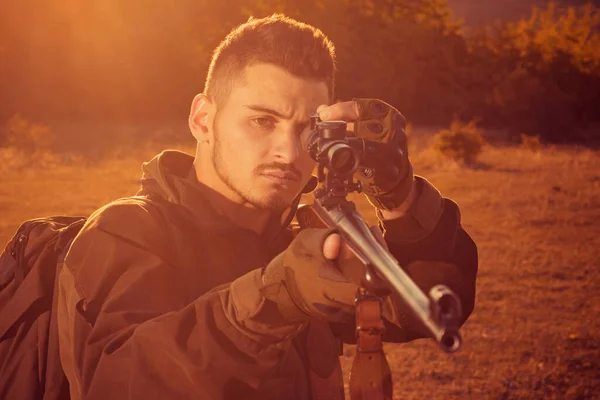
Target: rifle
339 155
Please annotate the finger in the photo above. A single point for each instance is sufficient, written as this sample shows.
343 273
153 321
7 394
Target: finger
331 246
352 268
344 111
345 253
349 127
336 249
322 107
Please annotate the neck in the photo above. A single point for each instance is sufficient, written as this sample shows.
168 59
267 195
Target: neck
227 202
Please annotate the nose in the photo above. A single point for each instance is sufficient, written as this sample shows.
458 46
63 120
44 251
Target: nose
287 147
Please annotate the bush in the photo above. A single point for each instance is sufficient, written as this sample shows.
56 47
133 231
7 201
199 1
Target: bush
27 144
531 143
461 142
24 135
539 75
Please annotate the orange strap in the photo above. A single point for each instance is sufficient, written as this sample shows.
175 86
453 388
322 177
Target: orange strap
370 377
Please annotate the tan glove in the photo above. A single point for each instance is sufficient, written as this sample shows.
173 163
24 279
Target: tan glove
305 284
387 175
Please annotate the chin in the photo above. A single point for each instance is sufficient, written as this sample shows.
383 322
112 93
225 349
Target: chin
275 203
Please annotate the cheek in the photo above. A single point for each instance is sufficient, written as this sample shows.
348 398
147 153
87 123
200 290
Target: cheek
250 151
241 146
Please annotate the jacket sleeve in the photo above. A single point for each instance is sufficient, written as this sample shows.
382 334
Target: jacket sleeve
130 332
433 248
446 256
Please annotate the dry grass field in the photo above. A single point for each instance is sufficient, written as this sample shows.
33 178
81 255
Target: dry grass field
535 331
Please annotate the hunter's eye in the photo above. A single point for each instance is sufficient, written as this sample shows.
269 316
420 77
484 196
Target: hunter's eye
263 122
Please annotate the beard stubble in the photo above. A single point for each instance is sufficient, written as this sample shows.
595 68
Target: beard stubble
274 202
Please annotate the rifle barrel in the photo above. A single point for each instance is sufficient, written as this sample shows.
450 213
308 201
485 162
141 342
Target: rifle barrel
435 312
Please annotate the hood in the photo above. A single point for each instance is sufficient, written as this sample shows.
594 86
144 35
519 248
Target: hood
161 172
171 175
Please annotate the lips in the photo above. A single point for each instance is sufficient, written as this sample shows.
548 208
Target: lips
281 176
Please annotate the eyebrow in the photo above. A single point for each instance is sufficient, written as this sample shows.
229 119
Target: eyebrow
268 110
257 107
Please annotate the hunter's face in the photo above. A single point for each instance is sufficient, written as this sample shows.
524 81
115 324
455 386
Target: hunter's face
260 134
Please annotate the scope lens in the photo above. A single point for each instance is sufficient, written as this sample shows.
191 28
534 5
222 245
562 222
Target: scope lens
342 159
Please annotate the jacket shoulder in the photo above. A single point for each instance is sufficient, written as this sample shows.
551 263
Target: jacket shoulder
129 217
122 228
122 235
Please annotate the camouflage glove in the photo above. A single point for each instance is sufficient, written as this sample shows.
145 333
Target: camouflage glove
303 283
386 173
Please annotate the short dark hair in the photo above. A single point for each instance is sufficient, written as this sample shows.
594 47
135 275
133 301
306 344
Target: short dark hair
299 48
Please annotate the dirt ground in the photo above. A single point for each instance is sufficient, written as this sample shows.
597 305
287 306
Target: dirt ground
535 217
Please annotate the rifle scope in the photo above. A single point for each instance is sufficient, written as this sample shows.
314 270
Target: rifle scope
330 145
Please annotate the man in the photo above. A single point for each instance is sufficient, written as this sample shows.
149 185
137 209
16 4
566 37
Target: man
214 299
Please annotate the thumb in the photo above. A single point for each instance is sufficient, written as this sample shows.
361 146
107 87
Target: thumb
335 248
332 246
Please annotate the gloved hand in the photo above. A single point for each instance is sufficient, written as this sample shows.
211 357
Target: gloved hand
303 283
387 174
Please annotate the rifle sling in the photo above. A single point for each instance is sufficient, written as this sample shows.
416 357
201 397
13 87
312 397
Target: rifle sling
370 377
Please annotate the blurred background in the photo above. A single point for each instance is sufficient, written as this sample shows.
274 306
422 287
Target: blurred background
503 103
124 70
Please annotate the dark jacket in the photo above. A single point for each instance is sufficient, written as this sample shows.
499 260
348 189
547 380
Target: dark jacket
147 309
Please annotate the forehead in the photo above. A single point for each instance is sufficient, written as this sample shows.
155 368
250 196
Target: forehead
271 84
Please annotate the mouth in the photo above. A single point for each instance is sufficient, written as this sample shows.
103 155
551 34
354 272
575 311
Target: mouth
281 177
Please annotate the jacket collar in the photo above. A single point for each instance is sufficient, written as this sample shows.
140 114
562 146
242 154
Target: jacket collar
171 175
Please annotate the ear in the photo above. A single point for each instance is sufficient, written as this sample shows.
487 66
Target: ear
201 116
